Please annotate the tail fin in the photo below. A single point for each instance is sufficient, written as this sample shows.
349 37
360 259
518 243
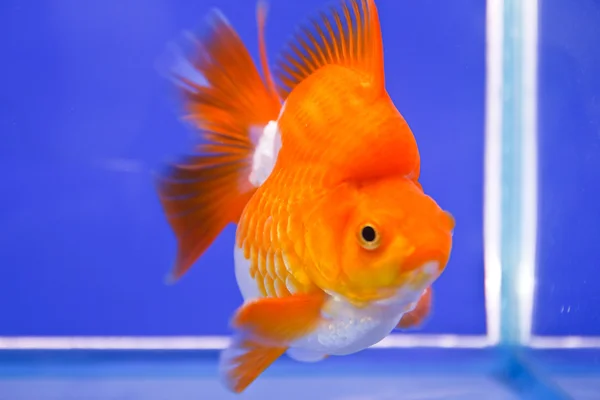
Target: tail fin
206 191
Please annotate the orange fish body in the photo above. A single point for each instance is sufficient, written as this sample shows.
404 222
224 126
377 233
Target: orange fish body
336 243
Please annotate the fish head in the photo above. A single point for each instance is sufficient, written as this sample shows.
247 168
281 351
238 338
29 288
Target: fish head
376 241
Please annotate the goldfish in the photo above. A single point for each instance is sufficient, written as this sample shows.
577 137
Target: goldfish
336 244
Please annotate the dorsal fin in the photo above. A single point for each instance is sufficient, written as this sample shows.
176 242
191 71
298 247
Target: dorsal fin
349 35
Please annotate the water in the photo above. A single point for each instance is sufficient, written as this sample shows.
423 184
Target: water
87 119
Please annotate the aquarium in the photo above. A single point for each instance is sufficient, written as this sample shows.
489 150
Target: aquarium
503 99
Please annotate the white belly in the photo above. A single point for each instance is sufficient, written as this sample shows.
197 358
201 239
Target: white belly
348 329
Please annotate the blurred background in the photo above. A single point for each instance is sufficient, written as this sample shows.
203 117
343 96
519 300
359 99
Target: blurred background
88 118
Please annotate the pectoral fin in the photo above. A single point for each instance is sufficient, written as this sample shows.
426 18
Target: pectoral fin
418 315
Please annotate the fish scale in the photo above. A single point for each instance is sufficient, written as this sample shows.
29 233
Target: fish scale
282 260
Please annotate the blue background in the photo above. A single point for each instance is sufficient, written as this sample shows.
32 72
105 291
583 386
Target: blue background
569 167
87 119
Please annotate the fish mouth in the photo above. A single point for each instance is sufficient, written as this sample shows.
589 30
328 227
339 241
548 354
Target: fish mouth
404 291
364 300
424 276
409 288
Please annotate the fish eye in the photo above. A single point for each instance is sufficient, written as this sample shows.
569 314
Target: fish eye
369 237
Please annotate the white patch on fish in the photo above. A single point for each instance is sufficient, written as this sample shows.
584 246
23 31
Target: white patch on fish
304 355
267 140
248 286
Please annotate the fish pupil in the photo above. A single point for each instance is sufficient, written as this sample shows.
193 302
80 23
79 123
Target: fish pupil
368 233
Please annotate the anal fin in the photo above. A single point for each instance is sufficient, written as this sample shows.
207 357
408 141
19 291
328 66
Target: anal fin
244 361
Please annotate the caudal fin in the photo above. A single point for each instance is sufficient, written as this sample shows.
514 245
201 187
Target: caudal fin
207 190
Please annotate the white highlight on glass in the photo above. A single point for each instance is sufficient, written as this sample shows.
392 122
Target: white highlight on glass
214 342
529 180
493 166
